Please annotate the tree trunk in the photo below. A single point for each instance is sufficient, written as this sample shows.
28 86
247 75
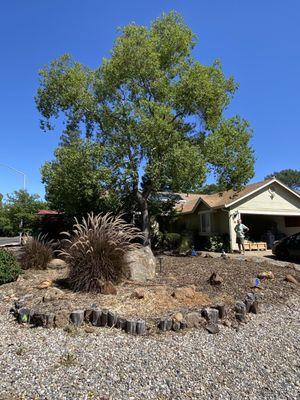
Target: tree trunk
145 223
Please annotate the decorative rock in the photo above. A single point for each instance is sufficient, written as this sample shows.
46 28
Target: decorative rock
266 275
23 315
176 326
104 317
215 279
108 288
121 323
193 320
89 329
178 317
77 317
291 279
53 294
139 293
131 326
240 311
212 328
96 317
249 300
184 293
111 319
211 315
141 264
221 309
44 320
140 327
45 284
57 263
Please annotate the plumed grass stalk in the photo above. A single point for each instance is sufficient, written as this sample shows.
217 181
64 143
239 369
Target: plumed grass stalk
37 252
95 252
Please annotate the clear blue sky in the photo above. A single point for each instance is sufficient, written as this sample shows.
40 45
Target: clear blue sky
257 41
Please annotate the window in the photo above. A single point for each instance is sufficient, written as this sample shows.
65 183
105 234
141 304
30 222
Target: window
205 223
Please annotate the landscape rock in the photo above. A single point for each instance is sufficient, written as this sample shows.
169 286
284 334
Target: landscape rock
176 326
131 326
266 275
212 328
24 315
249 300
138 293
291 279
193 320
108 288
240 311
215 279
111 319
184 293
42 319
141 264
45 284
211 315
57 263
140 327
61 319
178 317
53 294
89 329
96 317
221 309
254 308
165 324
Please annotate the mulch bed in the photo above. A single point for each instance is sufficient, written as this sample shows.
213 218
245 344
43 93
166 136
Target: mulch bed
158 301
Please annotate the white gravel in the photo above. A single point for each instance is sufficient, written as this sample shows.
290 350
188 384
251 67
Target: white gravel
260 361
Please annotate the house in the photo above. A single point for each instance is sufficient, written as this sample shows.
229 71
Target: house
269 208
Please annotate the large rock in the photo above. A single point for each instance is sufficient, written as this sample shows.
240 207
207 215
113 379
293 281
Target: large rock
184 293
141 264
53 294
56 263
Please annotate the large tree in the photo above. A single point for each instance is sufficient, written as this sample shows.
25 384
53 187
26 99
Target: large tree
291 177
156 109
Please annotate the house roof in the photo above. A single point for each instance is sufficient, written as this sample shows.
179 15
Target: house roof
189 202
49 212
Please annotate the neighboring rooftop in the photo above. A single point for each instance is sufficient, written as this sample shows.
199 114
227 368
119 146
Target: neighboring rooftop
189 202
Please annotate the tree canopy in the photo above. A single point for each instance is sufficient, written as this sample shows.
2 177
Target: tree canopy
156 109
77 181
19 206
290 177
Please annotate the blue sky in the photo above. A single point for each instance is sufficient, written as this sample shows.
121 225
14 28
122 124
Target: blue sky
257 41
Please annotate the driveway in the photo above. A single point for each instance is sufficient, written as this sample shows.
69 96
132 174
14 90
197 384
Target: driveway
9 241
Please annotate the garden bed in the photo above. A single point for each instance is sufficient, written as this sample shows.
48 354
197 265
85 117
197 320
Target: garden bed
160 297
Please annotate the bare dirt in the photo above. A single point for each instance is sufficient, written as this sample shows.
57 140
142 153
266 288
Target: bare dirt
158 301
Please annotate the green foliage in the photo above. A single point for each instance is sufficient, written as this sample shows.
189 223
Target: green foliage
228 151
217 243
290 177
9 267
156 109
37 252
77 180
19 206
95 252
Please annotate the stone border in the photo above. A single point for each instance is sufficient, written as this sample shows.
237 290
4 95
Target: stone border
208 317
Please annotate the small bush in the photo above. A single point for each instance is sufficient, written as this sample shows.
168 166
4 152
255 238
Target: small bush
218 243
37 252
95 252
9 267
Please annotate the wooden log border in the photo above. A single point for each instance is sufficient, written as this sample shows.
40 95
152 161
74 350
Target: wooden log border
134 326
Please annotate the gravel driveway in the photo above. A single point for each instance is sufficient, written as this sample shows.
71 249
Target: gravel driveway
260 361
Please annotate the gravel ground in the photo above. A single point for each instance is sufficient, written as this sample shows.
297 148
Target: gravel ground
259 361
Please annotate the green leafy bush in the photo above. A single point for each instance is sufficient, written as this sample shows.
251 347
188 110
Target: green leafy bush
9 267
218 243
95 252
37 252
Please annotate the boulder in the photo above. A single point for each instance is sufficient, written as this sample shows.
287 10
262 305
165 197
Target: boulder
77 317
53 294
56 263
211 315
240 311
212 328
45 284
178 317
141 264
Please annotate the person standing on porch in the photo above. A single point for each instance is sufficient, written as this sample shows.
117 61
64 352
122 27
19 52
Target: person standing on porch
241 230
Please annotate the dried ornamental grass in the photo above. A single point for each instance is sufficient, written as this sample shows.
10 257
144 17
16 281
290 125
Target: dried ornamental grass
37 252
95 252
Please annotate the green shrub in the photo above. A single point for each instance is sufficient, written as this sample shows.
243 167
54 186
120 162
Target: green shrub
172 241
95 252
218 243
9 267
37 252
